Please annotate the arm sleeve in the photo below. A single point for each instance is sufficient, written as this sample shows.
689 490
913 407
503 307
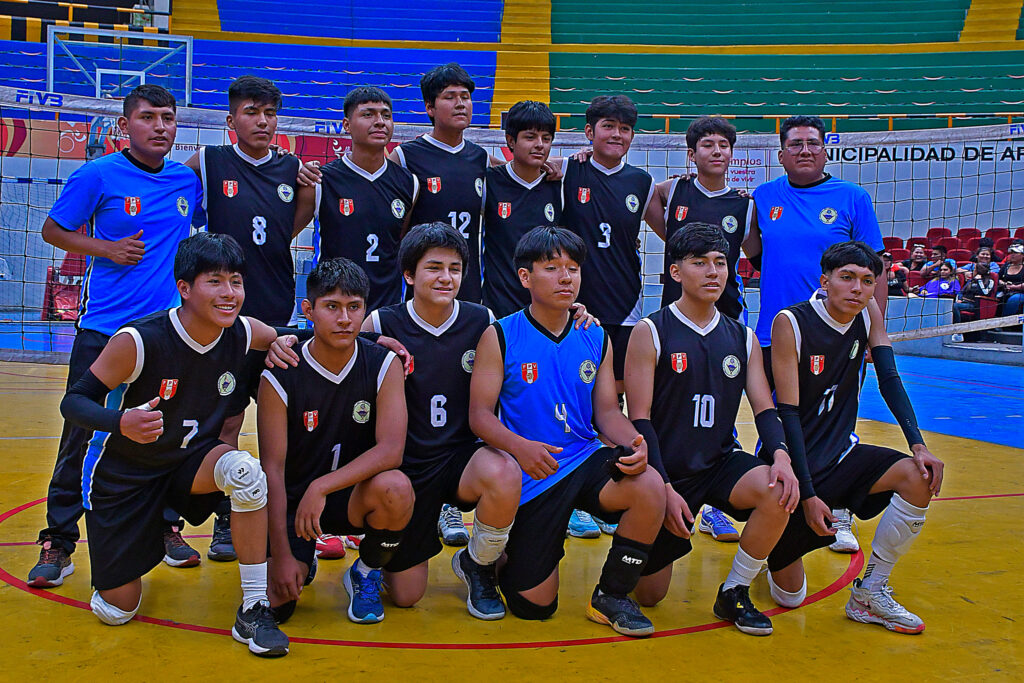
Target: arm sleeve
771 433
646 429
81 197
790 416
891 387
83 406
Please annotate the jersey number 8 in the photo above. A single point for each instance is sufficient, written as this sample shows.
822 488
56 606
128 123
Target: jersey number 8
259 229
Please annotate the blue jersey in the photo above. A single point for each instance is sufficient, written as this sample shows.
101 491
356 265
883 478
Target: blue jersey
117 198
547 391
797 225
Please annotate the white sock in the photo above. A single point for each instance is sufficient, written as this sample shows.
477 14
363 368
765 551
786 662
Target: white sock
876 573
744 570
254 584
487 542
361 567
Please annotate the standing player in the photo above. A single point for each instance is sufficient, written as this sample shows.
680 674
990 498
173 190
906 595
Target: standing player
689 353
443 458
183 361
331 432
818 351
139 207
554 389
363 201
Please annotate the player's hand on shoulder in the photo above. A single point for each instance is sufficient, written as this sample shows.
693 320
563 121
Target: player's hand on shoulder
307 515
744 192
287 576
309 174
678 518
819 516
635 462
127 251
281 354
552 170
583 317
536 460
583 154
392 344
144 424
929 466
783 479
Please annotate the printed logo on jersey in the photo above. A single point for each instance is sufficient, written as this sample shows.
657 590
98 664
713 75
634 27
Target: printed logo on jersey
168 387
311 418
775 213
828 215
583 195
817 365
681 212
588 371
478 185
855 349
398 208
226 383
549 211
679 362
529 372
504 209
632 203
361 412
731 366
346 206
133 205
286 192
230 188
729 224
183 206
433 185
468 358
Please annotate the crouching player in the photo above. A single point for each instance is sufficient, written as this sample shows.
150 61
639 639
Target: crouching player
554 387
331 433
817 354
179 369
689 358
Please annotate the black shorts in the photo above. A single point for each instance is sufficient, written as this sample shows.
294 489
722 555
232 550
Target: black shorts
439 485
619 336
537 541
333 520
713 486
846 485
126 523
248 385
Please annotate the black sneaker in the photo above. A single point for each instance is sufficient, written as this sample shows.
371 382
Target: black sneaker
178 553
54 564
256 628
734 605
484 601
221 547
620 612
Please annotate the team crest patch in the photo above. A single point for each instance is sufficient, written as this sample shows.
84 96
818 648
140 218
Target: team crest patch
729 224
183 206
529 372
230 188
775 213
433 185
632 203
588 371
731 366
286 192
681 212
583 195
467 360
311 418
549 211
226 384
347 206
855 349
478 185
168 387
679 362
817 365
398 208
504 209
828 215
361 412
133 205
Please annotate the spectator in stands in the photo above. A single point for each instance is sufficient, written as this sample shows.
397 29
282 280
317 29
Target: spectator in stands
1012 280
939 253
945 285
981 284
896 275
917 259
982 256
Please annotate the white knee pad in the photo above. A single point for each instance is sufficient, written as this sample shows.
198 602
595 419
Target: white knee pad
900 524
785 598
487 542
109 614
240 476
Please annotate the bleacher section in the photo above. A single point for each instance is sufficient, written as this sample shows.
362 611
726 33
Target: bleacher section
95 11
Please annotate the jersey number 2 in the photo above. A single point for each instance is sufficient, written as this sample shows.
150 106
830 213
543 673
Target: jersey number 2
372 257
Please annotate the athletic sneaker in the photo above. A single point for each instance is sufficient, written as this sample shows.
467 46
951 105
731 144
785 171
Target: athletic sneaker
451 528
879 607
620 612
582 525
364 605
54 564
221 547
256 628
483 600
177 552
605 527
330 547
845 541
714 522
734 605
352 541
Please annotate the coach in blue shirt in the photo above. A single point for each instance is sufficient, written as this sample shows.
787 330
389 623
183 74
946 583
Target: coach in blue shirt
138 207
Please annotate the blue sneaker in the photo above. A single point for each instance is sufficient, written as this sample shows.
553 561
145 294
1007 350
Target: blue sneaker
605 527
582 525
364 605
714 522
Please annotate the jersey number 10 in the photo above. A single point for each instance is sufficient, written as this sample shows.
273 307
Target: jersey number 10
703 410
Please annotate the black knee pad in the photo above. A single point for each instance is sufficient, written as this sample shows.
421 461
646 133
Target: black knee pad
284 611
524 609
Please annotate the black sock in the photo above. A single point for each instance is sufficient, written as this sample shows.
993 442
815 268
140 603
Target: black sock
378 546
621 571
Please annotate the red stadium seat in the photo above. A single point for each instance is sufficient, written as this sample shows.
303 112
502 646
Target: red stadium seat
960 255
744 269
899 255
950 243
892 242
962 277
967 233
1019 233
935 233
987 306
996 234
999 256
912 241
1002 244
971 244
914 279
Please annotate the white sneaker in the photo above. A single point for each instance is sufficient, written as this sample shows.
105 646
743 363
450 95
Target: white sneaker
845 541
879 607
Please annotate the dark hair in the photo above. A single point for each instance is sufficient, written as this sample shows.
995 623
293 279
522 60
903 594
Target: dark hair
855 253
207 252
616 107
362 95
156 95
529 115
940 247
696 239
709 125
546 242
990 250
440 77
259 90
422 238
798 121
336 274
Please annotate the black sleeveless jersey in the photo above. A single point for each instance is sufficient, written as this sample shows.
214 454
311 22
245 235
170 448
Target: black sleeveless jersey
512 207
689 202
361 216
831 362
254 202
451 191
195 384
605 207
332 419
699 380
437 390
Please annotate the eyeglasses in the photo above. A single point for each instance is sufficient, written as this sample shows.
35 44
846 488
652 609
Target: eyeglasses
796 146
